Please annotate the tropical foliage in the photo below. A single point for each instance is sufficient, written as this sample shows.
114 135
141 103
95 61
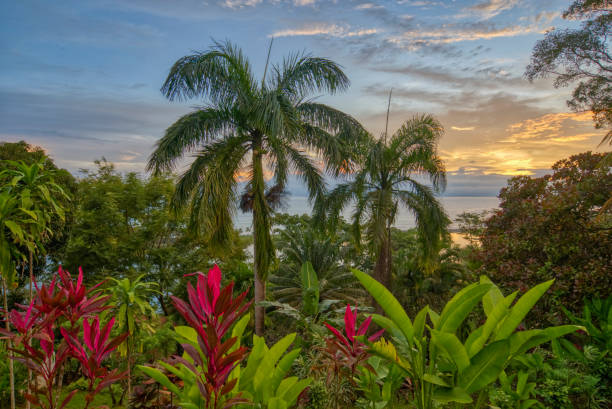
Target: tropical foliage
433 330
251 127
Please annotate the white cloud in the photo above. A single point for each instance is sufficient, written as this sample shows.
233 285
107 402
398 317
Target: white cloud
235 4
368 6
458 128
333 30
491 8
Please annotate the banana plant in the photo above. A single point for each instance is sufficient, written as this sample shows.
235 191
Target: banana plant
441 367
263 380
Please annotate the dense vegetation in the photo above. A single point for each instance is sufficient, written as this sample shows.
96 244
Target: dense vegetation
169 306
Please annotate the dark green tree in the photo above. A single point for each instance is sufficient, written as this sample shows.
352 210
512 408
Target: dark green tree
580 55
124 226
554 227
254 128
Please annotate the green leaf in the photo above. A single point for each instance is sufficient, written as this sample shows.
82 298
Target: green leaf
459 307
14 228
277 403
267 365
294 391
387 324
160 378
485 367
255 357
388 302
496 314
436 380
521 342
284 365
445 395
419 322
452 347
521 308
492 297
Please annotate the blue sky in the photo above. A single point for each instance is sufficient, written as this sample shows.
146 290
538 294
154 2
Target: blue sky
82 78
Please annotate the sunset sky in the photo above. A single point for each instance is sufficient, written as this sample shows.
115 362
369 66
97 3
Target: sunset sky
82 78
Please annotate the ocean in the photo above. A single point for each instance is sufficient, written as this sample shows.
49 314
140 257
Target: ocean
454 205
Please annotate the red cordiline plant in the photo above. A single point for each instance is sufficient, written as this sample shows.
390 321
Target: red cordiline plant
346 350
60 306
211 312
344 354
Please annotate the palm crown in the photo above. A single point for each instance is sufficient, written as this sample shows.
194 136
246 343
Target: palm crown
248 127
392 175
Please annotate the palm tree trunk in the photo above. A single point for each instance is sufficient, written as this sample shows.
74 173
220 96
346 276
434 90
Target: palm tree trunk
260 295
9 343
260 240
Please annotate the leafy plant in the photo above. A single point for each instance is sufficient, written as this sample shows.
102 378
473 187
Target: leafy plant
94 349
210 358
133 312
61 306
263 379
380 385
519 395
440 366
345 353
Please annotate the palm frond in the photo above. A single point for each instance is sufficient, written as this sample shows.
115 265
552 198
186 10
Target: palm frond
186 134
222 75
301 75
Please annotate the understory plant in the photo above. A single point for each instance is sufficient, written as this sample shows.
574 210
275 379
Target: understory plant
70 308
345 354
441 367
209 368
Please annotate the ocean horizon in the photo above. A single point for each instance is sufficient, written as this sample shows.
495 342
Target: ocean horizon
454 205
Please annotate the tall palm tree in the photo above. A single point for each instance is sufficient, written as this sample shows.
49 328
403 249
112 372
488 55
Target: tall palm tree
251 128
132 310
392 175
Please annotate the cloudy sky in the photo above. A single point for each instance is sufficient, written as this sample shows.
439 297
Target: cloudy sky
81 78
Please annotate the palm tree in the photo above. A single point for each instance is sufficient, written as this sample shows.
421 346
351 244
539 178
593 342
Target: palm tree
251 128
391 175
132 310
299 244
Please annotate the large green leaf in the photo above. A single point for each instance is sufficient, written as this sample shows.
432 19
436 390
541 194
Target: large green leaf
419 322
485 367
492 297
160 378
253 361
459 307
520 309
452 347
388 302
387 325
271 357
495 315
523 341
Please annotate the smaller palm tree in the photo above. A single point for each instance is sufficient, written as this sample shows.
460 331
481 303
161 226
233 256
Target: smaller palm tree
303 244
392 174
133 313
